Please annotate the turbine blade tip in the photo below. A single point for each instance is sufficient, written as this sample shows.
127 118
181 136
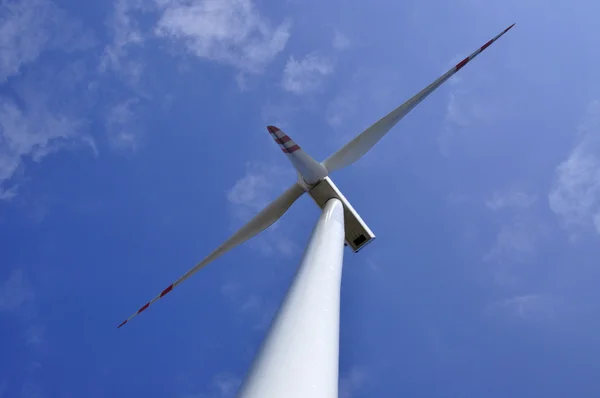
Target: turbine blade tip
273 129
123 323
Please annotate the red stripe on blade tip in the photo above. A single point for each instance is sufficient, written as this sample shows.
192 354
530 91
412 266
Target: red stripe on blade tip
278 141
144 307
486 45
462 63
124 322
167 290
281 140
284 139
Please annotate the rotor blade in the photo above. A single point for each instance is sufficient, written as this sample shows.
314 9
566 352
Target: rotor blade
361 144
260 222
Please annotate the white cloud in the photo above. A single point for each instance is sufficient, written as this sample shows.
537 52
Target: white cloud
467 109
34 335
341 107
30 27
20 43
31 131
228 31
458 198
224 385
122 126
32 389
373 265
529 307
352 382
123 56
17 298
575 195
16 292
512 199
516 242
340 41
515 239
240 292
515 245
306 75
125 33
464 109
455 114
35 124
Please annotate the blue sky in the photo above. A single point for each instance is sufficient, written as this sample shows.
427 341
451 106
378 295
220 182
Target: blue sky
133 141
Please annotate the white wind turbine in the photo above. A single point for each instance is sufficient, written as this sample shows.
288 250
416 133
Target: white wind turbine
299 356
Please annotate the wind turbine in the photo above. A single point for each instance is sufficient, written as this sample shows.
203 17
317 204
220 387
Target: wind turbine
299 356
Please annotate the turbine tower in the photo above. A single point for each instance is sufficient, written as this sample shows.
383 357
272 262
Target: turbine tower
299 355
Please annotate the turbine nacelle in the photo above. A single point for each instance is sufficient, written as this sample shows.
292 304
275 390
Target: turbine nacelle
357 233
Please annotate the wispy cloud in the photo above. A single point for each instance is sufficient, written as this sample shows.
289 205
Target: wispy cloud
512 199
340 107
125 33
575 195
464 109
340 41
30 27
514 247
18 299
121 124
248 305
528 307
518 237
33 125
352 382
32 389
373 264
16 294
34 335
467 108
516 233
224 385
32 131
228 31
306 75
